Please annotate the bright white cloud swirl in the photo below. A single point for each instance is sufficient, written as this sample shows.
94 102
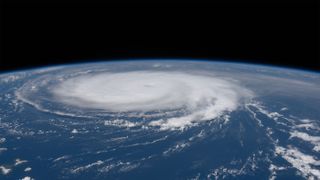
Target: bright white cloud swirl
196 97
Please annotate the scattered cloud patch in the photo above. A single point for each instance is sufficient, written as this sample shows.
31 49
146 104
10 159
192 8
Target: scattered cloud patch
120 123
83 168
27 169
306 164
315 140
5 170
74 131
27 178
19 161
3 149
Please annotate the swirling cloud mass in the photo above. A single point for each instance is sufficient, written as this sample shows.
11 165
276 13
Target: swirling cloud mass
193 98
204 120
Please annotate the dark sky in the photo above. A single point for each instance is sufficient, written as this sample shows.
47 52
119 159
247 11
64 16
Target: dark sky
37 34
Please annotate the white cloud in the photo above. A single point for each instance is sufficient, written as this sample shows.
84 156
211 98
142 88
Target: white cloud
315 140
74 131
197 97
4 170
27 169
27 178
177 148
303 162
61 158
273 170
3 149
120 123
19 161
83 168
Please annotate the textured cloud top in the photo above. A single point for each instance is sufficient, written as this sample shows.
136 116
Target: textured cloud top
190 120
195 97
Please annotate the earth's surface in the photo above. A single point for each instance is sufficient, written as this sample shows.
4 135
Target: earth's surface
160 120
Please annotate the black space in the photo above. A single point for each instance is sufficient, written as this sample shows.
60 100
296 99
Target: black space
38 34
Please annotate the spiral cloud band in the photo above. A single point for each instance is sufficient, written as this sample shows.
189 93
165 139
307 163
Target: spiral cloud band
195 97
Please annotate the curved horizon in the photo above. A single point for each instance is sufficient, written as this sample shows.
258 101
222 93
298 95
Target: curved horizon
122 60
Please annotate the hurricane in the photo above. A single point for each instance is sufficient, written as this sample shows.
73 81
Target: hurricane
189 97
160 119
